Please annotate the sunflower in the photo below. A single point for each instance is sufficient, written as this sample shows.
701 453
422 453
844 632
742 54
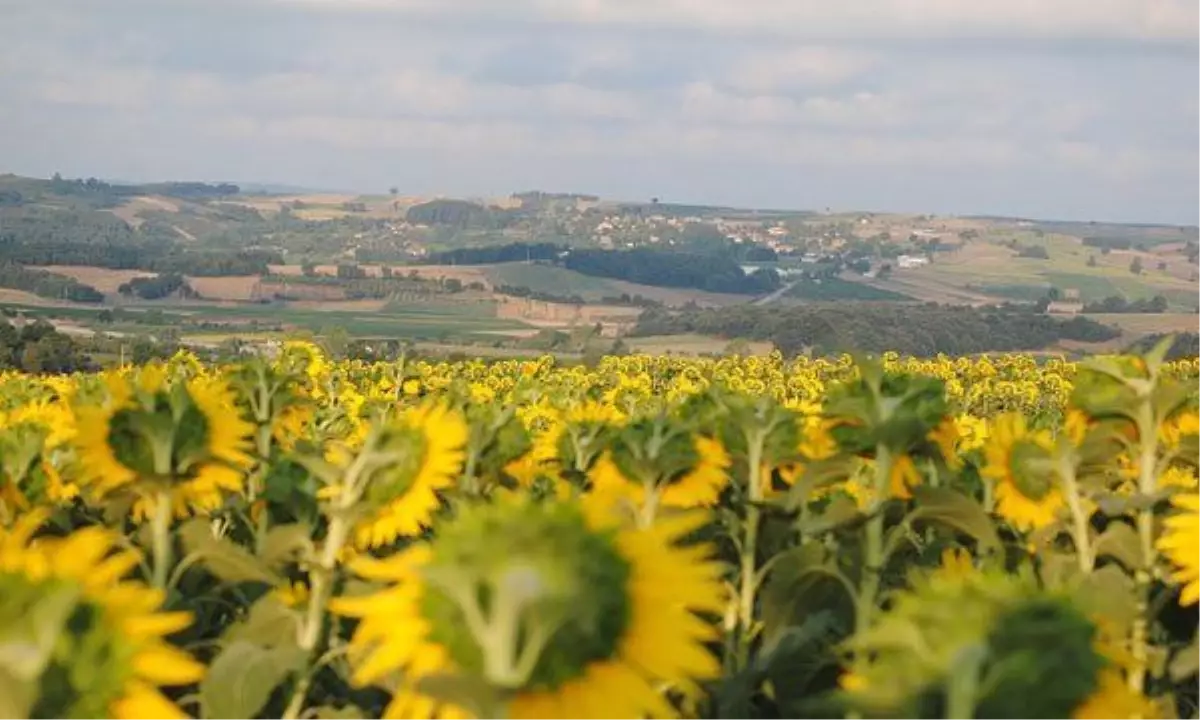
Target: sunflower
402 496
903 477
1016 634
1027 493
1180 542
946 437
188 441
91 643
698 486
584 618
816 444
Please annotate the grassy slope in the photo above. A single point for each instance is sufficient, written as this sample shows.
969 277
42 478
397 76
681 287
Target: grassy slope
419 322
984 266
551 279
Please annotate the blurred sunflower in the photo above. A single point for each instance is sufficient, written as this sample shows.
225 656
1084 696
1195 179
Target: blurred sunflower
698 486
188 439
91 643
429 443
1180 542
1006 632
582 619
1027 492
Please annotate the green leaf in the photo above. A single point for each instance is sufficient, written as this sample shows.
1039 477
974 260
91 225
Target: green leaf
327 472
797 658
1155 356
17 696
1109 592
817 475
802 582
224 559
27 647
1186 662
241 679
286 543
1120 542
953 509
467 691
269 624
839 512
329 712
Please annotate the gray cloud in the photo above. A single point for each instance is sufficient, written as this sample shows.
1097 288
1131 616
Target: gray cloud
1067 108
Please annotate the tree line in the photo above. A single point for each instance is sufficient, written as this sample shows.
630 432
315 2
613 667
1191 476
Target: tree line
644 265
924 330
38 348
137 256
47 284
1118 304
158 287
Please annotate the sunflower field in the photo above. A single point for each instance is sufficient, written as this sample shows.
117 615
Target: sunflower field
295 537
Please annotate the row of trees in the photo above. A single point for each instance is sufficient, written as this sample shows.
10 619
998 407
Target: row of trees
38 348
46 284
877 327
1118 304
159 286
136 256
649 266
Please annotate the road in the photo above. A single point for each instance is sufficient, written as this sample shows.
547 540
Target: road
768 299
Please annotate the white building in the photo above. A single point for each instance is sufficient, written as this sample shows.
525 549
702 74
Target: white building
911 261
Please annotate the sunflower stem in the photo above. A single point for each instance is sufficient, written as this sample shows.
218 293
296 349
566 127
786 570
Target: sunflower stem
749 551
873 543
161 537
1147 485
322 577
1080 529
963 685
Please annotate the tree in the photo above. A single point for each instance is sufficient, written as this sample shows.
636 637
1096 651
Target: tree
393 190
1135 267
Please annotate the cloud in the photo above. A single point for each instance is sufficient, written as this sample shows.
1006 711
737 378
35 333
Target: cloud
1153 20
1023 106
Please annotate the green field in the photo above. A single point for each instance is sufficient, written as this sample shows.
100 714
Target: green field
552 280
988 266
418 322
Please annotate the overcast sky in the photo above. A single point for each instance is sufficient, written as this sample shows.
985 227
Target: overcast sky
1081 109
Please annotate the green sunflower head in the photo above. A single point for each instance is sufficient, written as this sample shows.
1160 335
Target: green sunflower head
524 595
986 643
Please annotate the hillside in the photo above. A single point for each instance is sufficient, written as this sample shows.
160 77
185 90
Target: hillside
534 258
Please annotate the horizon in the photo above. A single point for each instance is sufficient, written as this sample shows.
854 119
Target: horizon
286 189
1069 111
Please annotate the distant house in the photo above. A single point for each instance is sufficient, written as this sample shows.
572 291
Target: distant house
911 261
1065 307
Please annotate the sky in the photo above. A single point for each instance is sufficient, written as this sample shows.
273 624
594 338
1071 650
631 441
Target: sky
1066 109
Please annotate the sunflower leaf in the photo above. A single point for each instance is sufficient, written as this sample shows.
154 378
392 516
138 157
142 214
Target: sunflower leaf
224 559
330 712
1120 542
285 543
269 624
1186 662
241 679
801 582
957 511
17 696
465 691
